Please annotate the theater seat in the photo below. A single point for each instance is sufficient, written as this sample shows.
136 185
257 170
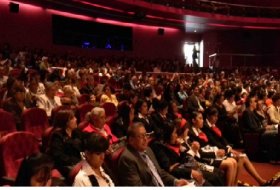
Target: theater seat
251 145
35 120
111 162
84 98
7 123
75 170
110 109
83 109
46 137
14 147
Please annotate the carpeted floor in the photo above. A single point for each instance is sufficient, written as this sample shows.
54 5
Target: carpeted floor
266 170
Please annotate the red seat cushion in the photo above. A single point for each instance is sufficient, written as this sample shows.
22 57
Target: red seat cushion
14 147
35 120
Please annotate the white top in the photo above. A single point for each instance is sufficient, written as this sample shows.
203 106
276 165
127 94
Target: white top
230 107
47 104
82 179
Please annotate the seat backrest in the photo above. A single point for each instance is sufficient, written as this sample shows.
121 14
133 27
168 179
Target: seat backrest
112 162
35 120
74 171
83 124
7 123
46 137
110 109
83 110
14 147
84 98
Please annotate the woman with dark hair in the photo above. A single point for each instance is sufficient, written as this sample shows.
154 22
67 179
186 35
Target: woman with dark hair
142 115
65 143
159 117
91 172
173 111
199 139
123 120
35 170
216 139
218 104
181 162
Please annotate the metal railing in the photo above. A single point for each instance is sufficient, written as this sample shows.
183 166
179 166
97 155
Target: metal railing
232 60
222 8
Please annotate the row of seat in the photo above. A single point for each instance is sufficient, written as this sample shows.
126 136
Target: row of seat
35 120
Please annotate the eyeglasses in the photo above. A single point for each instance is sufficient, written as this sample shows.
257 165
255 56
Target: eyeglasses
145 135
142 136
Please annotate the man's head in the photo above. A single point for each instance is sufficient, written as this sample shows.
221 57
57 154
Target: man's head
251 102
137 137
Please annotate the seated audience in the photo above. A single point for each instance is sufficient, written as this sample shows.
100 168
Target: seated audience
216 139
138 166
180 163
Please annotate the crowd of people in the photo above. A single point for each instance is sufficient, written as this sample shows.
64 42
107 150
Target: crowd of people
180 128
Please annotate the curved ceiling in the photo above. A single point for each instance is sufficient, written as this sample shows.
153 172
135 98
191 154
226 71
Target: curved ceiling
263 3
144 12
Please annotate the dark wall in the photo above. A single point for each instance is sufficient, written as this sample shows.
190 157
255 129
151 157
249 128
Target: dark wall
264 44
31 27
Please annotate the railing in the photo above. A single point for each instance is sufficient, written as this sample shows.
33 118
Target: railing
222 8
231 60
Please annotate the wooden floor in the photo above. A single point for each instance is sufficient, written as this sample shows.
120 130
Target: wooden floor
266 170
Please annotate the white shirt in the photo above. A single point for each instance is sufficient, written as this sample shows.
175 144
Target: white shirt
82 179
47 104
230 107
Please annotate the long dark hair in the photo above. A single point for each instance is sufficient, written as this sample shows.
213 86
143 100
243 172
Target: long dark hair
62 118
32 165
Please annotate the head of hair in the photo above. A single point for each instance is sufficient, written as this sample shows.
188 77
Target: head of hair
94 142
96 111
148 91
124 110
49 85
194 114
228 94
131 129
162 105
62 118
17 87
211 111
217 98
248 101
138 105
34 164
169 127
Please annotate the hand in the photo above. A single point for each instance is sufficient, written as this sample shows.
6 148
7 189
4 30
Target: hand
195 146
181 182
197 176
221 153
